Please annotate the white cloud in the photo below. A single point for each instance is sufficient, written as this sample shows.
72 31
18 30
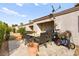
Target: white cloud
23 15
36 4
11 12
44 3
20 4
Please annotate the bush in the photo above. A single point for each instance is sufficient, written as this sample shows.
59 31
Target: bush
22 31
4 31
7 33
1 36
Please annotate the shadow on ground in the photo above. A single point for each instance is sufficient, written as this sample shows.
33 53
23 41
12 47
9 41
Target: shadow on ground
13 45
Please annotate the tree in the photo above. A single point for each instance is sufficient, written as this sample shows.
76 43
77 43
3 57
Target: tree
21 24
13 28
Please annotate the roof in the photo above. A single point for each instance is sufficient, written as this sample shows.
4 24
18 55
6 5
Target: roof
70 10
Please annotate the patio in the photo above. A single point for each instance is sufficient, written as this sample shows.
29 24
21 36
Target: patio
51 50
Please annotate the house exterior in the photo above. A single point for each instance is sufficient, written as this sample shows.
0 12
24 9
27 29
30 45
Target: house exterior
65 20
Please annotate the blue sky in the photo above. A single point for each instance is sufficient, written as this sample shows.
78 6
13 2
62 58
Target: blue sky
15 13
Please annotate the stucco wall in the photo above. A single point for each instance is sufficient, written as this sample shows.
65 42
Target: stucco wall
64 22
69 22
36 29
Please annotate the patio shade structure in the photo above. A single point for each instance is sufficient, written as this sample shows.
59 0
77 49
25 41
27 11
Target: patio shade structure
30 32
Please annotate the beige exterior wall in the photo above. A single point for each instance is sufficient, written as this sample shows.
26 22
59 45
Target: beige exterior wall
69 22
64 22
36 29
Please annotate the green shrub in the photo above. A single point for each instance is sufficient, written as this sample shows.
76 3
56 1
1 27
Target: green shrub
4 31
22 31
1 36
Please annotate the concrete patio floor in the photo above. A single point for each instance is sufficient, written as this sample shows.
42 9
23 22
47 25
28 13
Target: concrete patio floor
51 50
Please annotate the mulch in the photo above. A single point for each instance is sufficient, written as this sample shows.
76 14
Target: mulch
4 51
